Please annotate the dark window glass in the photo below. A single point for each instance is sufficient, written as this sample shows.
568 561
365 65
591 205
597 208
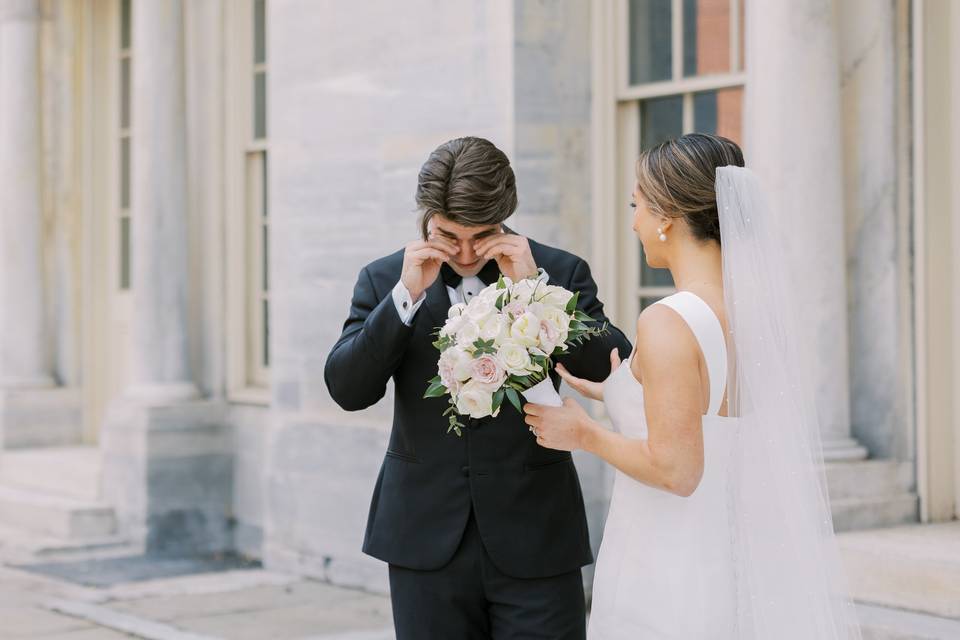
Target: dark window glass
259 32
125 252
651 53
125 24
260 105
660 120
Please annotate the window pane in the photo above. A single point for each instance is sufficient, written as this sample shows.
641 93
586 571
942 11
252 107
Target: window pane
265 206
651 54
266 333
125 252
259 32
125 93
705 112
720 112
125 24
266 257
259 105
660 120
706 37
125 173
650 277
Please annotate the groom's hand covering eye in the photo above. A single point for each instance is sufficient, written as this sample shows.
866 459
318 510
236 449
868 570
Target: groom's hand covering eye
512 253
421 264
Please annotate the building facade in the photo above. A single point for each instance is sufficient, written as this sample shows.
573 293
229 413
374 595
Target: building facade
189 189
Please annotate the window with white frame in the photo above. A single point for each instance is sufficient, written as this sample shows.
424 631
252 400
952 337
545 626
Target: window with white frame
258 285
123 213
247 201
680 71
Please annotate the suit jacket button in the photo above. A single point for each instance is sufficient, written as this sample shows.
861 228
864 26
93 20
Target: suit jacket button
465 471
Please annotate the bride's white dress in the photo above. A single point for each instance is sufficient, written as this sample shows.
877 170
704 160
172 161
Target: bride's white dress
666 567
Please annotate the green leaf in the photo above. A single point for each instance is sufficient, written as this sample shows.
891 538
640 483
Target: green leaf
435 391
484 347
572 302
498 400
500 283
514 399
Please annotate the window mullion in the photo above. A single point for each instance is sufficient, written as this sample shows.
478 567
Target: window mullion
676 50
735 63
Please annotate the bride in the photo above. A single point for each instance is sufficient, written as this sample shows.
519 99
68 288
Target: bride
719 524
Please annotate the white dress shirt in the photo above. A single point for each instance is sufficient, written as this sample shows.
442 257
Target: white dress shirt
468 288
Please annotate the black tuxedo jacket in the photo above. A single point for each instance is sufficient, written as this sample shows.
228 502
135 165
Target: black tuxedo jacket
526 499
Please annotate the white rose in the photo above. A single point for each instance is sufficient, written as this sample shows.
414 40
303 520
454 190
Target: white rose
516 308
526 329
550 337
453 325
476 400
524 289
493 327
480 309
555 296
462 364
514 358
450 369
454 366
490 293
559 319
468 333
456 310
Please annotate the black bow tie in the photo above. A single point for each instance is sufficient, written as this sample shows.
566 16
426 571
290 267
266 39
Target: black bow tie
489 274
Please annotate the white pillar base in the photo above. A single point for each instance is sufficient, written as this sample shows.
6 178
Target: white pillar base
843 450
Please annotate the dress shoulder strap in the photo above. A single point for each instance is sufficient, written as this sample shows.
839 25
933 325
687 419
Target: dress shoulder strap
708 331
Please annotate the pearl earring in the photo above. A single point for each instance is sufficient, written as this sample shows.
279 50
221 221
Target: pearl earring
663 236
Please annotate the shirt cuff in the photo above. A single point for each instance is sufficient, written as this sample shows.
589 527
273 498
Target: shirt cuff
542 275
406 307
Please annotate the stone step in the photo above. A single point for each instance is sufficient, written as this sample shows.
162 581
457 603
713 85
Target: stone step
69 471
882 623
22 546
868 478
852 514
54 515
911 568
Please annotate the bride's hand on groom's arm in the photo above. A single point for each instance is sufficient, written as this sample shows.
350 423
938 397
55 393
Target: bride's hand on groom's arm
588 388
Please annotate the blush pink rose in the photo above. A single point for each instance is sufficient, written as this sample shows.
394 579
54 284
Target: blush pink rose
487 370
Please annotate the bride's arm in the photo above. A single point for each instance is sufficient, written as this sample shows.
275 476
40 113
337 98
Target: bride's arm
671 458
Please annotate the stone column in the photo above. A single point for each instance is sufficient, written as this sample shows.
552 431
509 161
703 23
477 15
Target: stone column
24 362
794 142
160 368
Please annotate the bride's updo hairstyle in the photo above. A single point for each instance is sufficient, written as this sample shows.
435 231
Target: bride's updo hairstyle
677 178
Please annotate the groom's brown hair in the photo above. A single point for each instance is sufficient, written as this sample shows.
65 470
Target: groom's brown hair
466 180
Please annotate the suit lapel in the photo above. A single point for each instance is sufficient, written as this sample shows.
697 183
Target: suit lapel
437 304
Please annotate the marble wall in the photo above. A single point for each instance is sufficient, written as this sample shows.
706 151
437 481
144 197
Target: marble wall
360 96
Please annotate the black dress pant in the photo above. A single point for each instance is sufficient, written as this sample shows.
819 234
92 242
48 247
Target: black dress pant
470 599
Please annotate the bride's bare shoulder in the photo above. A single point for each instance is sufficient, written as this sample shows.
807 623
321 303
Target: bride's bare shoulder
663 333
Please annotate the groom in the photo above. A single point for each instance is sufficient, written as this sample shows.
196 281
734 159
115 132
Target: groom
485 534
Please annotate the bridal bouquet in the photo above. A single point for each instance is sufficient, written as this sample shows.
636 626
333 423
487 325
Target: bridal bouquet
502 344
